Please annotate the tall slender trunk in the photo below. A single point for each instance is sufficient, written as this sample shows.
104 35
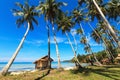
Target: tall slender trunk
72 49
48 33
108 26
56 44
106 50
6 68
95 58
76 45
112 57
90 48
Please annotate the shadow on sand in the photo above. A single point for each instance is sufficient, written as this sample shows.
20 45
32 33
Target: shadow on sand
39 78
106 71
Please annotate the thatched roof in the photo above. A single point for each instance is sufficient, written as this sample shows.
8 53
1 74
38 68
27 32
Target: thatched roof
105 59
118 57
45 58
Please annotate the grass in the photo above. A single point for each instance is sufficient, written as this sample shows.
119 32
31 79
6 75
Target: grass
89 73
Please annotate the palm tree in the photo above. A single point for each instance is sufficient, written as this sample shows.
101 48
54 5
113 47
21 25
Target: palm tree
78 15
42 7
26 13
113 10
65 24
99 38
49 62
112 32
84 41
51 11
97 12
75 42
98 35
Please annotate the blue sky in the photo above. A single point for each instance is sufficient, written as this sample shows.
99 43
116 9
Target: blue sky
35 45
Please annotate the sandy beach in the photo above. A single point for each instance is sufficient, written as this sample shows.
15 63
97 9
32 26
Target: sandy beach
32 71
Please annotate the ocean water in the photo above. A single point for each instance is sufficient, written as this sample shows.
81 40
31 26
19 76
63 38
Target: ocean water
26 66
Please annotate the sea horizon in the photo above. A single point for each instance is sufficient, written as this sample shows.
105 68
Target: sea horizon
26 66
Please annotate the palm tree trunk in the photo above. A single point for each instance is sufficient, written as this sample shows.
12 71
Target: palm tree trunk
95 58
106 50
56 44
108 26
76 45
6 68
90 48
49 60
73 49
111 55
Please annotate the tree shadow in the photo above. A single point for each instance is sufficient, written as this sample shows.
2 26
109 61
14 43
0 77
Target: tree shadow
39 78
106 71
113 74
85 71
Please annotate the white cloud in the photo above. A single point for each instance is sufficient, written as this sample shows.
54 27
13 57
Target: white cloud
73 31
34 42
4 59
59 39
25 59
18 59
68 42
95 44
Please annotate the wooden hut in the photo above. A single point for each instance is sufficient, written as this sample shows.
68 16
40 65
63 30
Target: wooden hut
42 63
105 61
118 58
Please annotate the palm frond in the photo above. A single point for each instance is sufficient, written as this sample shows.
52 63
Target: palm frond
25 13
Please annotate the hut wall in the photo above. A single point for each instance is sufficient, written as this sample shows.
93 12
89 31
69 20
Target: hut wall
44 64
39 64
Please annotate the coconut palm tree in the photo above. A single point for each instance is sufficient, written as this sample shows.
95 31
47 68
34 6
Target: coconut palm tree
27 15
84 41
99 12
49 61
99 39
65 24
113 10
42 7
75 42
99 35
78 15
112 32
51 10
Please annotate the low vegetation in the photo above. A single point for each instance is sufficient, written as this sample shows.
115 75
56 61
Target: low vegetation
110 72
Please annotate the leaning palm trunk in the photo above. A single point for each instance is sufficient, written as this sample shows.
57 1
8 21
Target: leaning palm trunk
105 45
108 26
49 60
106 50
6 68
90 49
56 44
112 57
73 49
95 58
76 45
